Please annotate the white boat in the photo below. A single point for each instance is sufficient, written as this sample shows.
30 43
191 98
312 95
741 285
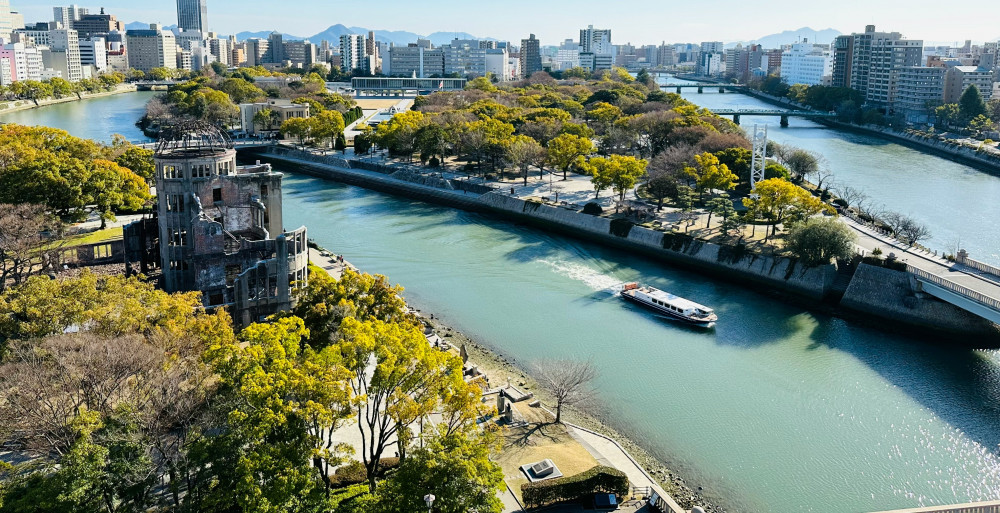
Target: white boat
670 305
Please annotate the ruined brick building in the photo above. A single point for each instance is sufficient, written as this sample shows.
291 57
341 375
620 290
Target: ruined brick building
218 227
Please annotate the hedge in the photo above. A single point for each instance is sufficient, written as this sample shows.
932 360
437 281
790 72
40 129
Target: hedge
355 473
580 487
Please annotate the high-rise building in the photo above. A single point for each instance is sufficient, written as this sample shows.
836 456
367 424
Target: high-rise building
192 15
595 41
256 51
843 54
94 53
531 56
68 16
6 20
413 60
64 54
90 25
151 48
352 53
808 64
464 57
712 47
666 55
877 59
919 90
275 48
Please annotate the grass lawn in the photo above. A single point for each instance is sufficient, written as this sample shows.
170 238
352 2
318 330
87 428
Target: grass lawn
94 237
538 440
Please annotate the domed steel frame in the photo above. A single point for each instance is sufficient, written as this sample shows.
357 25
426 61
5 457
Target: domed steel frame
192 139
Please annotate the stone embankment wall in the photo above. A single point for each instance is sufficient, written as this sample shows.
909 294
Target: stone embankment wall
891 295
776 272
18 105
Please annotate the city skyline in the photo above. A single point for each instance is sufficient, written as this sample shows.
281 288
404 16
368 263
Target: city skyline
556 21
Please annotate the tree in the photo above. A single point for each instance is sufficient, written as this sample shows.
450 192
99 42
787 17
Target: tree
570 382
778 200
398 135
710 175
399 380
326 126
159 74
567 150
524 151
341 143
971 105
325 302
112 187
721 205
21 228
619 172
431 140
282 393
981 123
818 240
801 163
948 114
265 119
913 232
139 160
240 90
455 468
299 128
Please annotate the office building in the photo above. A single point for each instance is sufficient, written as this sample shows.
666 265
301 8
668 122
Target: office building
68 16
808 64
256 51
595 41
117 56
531 56
919 90
90 25
151 48
959 78
415 61
7 24
192 15
465 58
64 54
94 53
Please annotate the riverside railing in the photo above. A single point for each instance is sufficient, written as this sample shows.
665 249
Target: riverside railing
978 297
977 265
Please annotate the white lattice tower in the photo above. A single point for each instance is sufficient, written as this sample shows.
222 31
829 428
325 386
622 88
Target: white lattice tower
758 159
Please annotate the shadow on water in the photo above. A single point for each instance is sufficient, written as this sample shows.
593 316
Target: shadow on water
960 385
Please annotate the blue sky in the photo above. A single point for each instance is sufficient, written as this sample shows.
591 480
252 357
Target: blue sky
552 21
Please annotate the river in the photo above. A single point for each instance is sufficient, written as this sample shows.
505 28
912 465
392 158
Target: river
957 202
91 118
776 410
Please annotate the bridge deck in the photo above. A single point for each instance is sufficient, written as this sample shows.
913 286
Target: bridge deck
773 112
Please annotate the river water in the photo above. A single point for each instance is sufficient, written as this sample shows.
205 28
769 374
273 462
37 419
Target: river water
776 410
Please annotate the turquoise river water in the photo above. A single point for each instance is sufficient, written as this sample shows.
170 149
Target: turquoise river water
776 410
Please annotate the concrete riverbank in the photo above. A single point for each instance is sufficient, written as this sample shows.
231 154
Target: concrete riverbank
817 285
19 105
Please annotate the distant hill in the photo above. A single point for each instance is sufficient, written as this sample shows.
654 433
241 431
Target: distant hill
825 36
242 36
140 25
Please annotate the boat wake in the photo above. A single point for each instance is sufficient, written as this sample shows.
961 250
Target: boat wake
593 279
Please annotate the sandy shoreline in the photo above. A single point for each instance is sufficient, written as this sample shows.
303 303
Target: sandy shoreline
499 367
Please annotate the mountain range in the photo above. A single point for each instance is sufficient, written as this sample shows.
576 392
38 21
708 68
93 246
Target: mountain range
398 37
825 36
138 25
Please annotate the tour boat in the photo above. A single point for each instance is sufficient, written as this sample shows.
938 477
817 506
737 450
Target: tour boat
668 304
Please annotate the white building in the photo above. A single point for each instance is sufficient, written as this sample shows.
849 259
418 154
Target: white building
281 109
94 53
6 20
498 63
64 49
711 64
596 41
151 48
67 15
352 53
713 47
806 63
567 58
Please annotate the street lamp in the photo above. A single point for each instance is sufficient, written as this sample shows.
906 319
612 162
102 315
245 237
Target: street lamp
429 499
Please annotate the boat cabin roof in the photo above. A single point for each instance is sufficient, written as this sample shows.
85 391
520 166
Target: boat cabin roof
677 301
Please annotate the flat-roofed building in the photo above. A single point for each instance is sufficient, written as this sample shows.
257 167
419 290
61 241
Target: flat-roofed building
151 48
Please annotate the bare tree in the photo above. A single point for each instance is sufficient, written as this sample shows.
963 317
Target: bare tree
852 195
23 230
568 380
913 232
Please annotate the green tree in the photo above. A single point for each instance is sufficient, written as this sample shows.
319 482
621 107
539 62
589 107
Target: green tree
455 468
710 175
399 134
722 206
60 87
111 187
138 160
778 200
159 74
567 150
265 119
816 241
948 114
524 151
240 90
299 128
400 379
341 143
801 163
326 126
620 173
971 104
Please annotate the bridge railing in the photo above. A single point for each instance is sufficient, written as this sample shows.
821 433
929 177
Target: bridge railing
978 297
977 265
